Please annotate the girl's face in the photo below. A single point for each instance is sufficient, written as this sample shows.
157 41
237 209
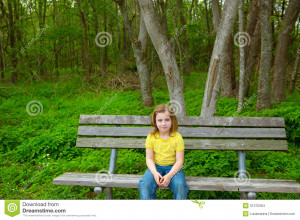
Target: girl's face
163 121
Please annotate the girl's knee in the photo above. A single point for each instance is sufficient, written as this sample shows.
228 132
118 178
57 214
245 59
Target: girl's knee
147 189
180 190
147 183
180 184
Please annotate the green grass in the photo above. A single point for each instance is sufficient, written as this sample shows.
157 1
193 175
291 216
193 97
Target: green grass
36 149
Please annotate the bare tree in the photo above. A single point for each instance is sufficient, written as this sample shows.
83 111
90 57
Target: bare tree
162 6
2 63
227 73
282 47
216 13
242 57
12 40
85 54
41 12
140 53
252 49
208 28
54 42
121 57
185 42
212 86
166 55
263 91
295 72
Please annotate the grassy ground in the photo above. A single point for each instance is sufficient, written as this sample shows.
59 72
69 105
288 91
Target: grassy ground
36 149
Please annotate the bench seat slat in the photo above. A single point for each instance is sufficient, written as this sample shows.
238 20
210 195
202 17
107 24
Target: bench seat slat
190 144
184 121
195 183
200 132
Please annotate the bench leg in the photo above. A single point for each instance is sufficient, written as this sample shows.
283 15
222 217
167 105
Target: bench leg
248 195
243 174
109 193
243 195
112 167
98 190
111 170
252 195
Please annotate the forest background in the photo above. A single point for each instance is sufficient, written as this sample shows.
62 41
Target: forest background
60 59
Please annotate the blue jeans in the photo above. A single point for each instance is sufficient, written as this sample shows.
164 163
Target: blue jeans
147 186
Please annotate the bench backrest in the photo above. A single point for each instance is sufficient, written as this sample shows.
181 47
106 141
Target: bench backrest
216 133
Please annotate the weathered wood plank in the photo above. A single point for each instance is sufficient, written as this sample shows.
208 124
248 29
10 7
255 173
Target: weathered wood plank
190 144
195 183
200 132
185 121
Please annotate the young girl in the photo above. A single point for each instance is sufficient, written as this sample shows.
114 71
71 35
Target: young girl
164 156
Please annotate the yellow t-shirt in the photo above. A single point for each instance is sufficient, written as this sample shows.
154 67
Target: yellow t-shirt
165 150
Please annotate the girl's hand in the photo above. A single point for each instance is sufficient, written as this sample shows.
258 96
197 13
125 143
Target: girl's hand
158 178
166 180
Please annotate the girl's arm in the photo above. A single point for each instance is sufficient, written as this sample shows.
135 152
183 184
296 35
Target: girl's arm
175 169
178 164
151 166
150 161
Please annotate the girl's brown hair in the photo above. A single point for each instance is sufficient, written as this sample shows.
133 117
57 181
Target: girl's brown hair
162 109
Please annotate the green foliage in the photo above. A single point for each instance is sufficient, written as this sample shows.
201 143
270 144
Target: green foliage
36 149
58 141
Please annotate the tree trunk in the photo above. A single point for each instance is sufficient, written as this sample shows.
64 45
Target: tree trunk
2 64
105 66
227 73
263 91
11 34
41 18
166 55
2 61
242 58
212 86
282 47
216 13
85 55
252 23
97 29
17 4
295 72
252 50
126 52
121 59
163 16
208 19
54 43
140 53
185 42
252 57
190 11
143 67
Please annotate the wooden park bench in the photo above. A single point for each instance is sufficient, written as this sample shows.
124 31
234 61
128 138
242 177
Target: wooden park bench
217 133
